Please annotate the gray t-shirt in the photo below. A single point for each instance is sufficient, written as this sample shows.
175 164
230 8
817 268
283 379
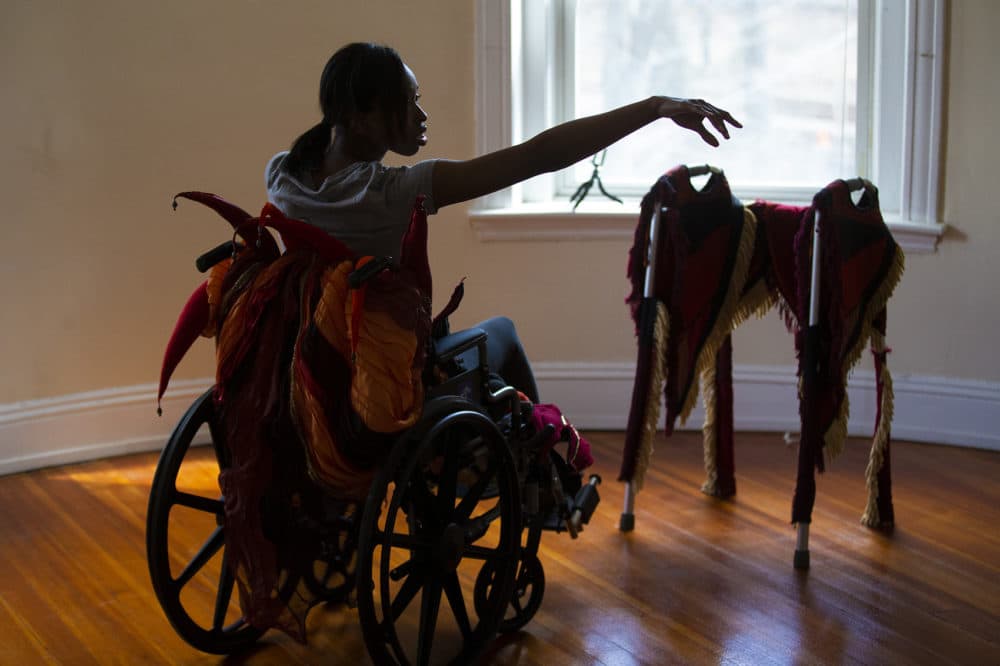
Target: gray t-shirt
366 206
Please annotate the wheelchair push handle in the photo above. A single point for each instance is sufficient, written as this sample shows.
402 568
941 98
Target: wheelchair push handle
368 269
215 255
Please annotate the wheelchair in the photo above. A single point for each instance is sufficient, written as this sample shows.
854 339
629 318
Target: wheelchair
439 557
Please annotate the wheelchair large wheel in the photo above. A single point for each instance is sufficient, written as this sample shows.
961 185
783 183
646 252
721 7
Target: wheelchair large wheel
198 599
444 507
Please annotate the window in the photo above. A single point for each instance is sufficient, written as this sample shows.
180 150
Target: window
826 89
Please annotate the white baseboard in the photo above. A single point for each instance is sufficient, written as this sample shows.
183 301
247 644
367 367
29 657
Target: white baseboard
943 410
91 425
110 422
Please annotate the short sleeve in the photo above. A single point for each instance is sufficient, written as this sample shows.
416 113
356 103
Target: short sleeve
273 168
405 184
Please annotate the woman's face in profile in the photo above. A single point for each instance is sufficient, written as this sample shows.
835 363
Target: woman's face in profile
411 133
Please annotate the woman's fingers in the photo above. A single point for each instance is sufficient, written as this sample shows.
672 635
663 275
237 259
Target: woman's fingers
718 117
719 125
691 114
708 136
729 119
694 122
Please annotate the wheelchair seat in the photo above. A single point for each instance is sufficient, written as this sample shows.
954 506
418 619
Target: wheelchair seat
453 344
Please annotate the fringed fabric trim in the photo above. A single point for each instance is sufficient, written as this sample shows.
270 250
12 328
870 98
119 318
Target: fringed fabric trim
725 321
836 434
880 441
710 434
661 336
755 303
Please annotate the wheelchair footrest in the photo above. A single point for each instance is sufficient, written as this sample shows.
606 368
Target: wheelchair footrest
577 511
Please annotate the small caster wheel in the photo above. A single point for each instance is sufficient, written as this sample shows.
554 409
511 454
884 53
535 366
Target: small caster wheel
529 586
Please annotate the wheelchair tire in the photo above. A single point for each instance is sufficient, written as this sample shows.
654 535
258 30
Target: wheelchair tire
208 631
429 525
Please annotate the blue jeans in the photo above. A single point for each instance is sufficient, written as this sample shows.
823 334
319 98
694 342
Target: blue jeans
505 356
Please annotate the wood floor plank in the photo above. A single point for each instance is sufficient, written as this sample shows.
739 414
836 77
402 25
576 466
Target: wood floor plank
701 580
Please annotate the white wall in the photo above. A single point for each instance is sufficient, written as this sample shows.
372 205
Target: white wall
110 107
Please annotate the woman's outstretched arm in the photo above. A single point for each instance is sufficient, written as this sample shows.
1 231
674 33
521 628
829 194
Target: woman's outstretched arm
567 144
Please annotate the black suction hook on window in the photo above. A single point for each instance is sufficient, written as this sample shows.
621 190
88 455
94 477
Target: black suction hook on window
595 179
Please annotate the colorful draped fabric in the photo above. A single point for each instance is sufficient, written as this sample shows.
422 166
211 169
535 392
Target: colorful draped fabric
313 381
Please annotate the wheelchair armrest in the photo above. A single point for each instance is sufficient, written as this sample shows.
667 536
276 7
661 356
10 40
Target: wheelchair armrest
452 345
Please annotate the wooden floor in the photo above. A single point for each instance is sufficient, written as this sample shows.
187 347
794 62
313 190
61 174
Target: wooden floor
700 581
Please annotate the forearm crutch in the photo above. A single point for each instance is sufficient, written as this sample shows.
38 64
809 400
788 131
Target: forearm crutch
811 441
805 485
644 412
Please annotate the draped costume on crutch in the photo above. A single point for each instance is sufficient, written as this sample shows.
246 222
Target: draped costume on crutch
706 246
718 262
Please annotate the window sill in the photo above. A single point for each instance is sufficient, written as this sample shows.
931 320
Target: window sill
601 222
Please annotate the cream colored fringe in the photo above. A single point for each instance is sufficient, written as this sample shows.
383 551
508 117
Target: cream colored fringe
836 434
710 435
651 418
727 318
755 302
881 440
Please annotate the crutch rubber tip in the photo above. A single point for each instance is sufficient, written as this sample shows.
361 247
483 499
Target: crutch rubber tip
627 522
801 560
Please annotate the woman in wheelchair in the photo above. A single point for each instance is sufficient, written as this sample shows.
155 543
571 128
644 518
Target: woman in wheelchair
449 495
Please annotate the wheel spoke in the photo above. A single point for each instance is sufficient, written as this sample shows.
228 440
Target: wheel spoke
407 591
205 504
430 602
236 626
201 558
225 593
456 600
468 503
402 571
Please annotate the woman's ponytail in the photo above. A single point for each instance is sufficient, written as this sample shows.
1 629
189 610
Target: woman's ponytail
308 151
357 78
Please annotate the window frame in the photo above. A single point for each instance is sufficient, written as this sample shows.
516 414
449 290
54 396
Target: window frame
518 47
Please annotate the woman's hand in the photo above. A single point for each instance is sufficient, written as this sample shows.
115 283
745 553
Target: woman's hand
691 114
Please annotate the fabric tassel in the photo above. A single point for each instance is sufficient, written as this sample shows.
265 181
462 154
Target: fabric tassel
836 434
709 433
192 321
717 433
880 442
